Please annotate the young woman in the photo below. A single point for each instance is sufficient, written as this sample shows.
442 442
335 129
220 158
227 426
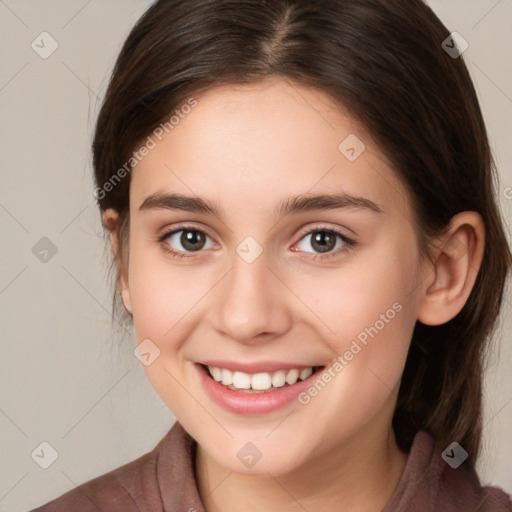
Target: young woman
300 205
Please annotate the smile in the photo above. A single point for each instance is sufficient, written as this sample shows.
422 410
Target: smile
259 382
254 391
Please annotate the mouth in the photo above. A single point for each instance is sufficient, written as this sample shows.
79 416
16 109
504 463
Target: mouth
261 382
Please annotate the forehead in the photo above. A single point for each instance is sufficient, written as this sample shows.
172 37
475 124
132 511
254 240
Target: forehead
243 143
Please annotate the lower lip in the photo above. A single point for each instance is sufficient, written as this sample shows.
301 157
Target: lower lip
252 403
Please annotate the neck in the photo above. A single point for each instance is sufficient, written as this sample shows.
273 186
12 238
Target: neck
361 475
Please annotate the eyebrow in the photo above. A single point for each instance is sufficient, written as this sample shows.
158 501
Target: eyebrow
296 204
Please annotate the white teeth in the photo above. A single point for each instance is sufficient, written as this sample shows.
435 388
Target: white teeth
292 376
227 377
261 381
304 374
279 379
241 380
216 373
258 381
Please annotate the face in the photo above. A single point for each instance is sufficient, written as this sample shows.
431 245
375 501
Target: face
264 287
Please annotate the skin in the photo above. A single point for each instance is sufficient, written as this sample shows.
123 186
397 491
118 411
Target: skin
247 148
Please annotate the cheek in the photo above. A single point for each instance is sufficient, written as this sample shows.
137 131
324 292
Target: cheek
162 293
161 296
353 297
368 312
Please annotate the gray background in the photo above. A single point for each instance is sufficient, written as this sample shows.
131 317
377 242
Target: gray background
67 376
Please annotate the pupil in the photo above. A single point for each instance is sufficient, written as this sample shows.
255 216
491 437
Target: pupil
325 240
190 239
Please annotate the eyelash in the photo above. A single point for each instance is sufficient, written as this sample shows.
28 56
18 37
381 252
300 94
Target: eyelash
349 243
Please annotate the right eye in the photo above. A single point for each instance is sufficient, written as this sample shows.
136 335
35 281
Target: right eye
190 240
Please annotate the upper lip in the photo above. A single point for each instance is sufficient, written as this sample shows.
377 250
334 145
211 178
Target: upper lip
255 366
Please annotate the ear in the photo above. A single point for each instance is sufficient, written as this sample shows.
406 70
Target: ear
458 258
110 220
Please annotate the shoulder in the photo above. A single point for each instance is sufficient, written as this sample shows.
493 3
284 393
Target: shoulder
112 491
430 484
461 489
131 487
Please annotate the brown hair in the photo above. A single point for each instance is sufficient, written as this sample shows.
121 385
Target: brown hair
383 61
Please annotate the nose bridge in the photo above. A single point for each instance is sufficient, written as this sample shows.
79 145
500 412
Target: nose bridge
252 300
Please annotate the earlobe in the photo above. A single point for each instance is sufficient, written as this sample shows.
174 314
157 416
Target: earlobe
125 294
110 220
458 259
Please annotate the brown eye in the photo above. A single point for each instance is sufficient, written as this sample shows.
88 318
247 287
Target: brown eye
324 241
187 240
192 240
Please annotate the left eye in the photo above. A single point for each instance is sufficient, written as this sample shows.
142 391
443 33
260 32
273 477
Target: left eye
324 240
190 239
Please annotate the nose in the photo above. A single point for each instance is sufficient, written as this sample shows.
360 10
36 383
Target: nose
252 304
